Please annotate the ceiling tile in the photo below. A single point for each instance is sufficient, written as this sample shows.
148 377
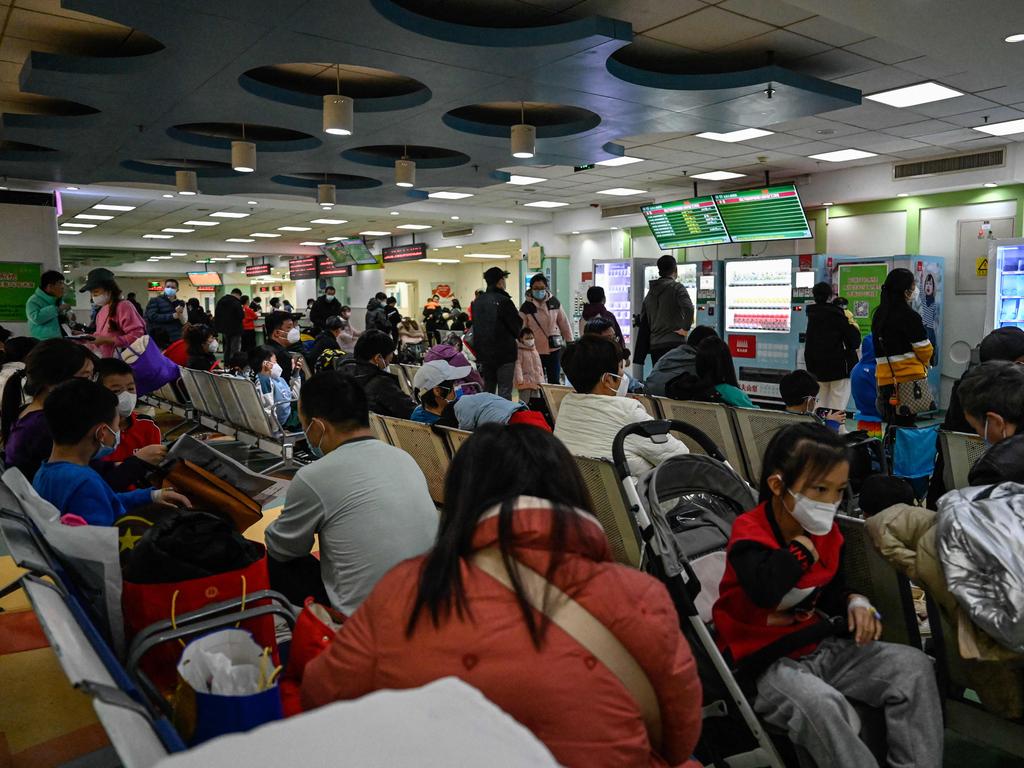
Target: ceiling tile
639 139
882 50
973 82
643 16
949 138
880 143
812 148
708 29
911 130
828 31
872 116
1004 95
814 130
787 46
931 67
704 146
769 11
834 64
994 115
957 106
775 141
879 79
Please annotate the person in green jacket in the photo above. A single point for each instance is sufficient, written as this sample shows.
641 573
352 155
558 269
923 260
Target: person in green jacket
714 365
45 306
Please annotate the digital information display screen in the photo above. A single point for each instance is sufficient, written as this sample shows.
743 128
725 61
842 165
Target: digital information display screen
302 267
358 251
327 268
257 270
616 278
758 295
686 223
154 286
404 253
769 213
205 279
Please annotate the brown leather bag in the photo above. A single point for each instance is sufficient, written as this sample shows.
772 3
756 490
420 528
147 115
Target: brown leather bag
207 491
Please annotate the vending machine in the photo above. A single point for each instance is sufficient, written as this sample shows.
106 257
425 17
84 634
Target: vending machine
616 277
1005 284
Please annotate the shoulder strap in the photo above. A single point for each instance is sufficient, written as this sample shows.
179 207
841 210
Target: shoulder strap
581 625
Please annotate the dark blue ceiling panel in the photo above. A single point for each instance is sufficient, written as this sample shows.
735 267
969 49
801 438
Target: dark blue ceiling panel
204 74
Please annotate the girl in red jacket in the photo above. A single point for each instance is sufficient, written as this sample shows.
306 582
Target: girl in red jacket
516 503
783 575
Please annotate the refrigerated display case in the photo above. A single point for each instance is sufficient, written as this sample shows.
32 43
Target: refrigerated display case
616 277
1005 284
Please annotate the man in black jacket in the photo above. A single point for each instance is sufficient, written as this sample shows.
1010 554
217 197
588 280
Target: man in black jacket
376 314
830 352
227 320
496 326
165 311
394 317
368 367
324 307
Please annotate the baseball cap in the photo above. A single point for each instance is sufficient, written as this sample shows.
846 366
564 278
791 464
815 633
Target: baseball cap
1002 344
95 278
494 274
437 372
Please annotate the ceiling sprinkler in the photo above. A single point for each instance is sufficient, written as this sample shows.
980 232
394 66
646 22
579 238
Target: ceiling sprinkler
769 91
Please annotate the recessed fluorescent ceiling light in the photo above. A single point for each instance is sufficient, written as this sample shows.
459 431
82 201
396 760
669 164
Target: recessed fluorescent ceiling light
109 207
744 134
622 191
263 234
177 231
485 256
374 233
238 256
194 223
545 204
312 242
912 95
167 195
239 240
990 184
523 180
228 215
159 258
76 225
440 261
1002 129
509 221
717 175
93 216
1013 38
843 155
252 202
903 194
335 239
329 221
68 232
179 253
449 195
395 213
158 237
413 226
619 161
294 229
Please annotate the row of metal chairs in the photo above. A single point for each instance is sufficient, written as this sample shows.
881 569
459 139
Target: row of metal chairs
405 373
230 405
742 434
432 448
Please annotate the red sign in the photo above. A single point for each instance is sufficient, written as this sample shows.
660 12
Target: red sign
707 267
302 267
412 252
586 277
155 286
327 268
205 288
806 262
257 270
743 345
443 290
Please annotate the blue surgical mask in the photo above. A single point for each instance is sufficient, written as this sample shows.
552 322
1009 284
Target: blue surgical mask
170 292
316 450
106 450
540 295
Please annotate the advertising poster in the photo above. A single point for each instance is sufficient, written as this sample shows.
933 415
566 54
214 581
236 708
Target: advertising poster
929 295
861 285
18 281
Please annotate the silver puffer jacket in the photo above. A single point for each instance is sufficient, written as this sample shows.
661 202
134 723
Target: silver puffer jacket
981 548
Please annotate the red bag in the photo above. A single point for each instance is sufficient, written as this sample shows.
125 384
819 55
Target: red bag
314 629
146 604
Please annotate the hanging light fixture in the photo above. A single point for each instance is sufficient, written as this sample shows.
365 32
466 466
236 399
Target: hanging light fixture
405 170
243 154
325 195
338 119
186 182
524 137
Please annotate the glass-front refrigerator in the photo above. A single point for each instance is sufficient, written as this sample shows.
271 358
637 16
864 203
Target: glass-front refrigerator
616 277
1005 284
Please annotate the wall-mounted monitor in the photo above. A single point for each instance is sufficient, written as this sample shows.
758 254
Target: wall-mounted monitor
349 250
686 223
766 213
205 279
257 270
758 295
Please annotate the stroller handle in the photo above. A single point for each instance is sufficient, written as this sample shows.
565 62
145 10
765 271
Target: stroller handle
655 429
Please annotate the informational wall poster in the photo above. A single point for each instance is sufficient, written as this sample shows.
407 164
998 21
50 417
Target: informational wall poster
758 295
18 281
929 296
861 285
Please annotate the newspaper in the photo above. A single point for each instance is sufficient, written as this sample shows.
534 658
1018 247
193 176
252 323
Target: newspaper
260 488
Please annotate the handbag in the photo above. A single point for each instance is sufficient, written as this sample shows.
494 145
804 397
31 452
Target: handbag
581 625
150 367
314 629
207 491
909 398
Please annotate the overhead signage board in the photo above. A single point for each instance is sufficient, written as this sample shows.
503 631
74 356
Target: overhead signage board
327 268
413 252
257 270
767 213
302 267
686 223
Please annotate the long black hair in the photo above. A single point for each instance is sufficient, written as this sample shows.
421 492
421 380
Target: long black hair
893 297
48 364
799 449
495 466
714 362
116 297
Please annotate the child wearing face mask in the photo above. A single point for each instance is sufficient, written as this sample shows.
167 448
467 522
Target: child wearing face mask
783 576
529 372
273 384
140 436
84 423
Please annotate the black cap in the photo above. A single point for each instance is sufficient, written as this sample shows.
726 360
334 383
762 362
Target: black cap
95 278
494 274
1003 344
797 386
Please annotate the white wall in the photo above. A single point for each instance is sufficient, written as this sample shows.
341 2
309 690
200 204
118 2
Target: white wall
28 235
875 234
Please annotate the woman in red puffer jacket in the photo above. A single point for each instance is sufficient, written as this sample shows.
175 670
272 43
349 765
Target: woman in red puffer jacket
516 499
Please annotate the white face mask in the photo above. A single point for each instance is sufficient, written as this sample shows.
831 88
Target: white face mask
623 385
276 371
293 335
531 343
126 403
816 517
102 300
213 346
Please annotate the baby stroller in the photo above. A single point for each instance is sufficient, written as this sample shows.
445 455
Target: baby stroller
684 510
412 354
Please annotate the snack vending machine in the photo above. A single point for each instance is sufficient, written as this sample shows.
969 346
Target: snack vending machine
1005 284
616 277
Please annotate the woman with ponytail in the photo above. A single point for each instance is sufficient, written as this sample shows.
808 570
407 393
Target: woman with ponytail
118 323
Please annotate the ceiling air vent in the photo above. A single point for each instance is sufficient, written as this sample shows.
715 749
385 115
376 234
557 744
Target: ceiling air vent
608 212
457 232
991 158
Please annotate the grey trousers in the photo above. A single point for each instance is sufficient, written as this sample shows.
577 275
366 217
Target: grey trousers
808 698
